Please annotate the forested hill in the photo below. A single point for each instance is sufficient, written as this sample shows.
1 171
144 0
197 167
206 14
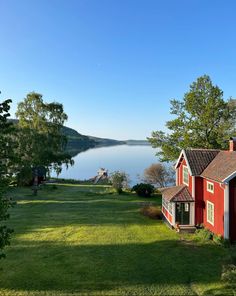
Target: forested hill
78 142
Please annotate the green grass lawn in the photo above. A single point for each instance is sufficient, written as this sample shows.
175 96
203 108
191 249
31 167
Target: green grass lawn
85 240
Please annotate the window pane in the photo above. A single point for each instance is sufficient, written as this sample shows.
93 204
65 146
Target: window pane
185 175
210 213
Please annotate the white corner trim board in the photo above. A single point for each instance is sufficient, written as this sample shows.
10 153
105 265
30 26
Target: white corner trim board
226 211
185 157
193 195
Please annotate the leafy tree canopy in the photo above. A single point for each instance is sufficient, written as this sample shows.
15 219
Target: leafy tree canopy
6 162
119 180
203 120
41 142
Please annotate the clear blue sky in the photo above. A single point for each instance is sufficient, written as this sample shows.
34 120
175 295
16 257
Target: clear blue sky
115 64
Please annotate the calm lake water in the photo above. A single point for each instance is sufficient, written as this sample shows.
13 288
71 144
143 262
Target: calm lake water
130 159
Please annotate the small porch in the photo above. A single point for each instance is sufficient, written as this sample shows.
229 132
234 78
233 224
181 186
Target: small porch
186 229
178 208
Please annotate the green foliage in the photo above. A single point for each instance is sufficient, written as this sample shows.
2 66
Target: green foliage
25 176
151 212
233 255
203 120
143 189
119 181
229 274
229 270
41 142
204 234
218 239
6 166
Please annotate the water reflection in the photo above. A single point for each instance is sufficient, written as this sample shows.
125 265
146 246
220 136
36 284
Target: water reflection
131 159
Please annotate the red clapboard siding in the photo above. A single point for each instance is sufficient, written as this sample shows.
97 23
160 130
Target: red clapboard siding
217 198
167 215
180 175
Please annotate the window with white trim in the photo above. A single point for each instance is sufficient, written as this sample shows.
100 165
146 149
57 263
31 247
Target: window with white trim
210 212
186 207
167 205
170 208
164 203
210 187
185 175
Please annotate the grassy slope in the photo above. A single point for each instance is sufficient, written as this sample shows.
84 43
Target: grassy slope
78 240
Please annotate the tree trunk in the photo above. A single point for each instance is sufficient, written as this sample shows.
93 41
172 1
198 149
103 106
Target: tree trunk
36 181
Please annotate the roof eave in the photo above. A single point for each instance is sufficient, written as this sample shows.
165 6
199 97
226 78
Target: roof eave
230 177
185 157
177 163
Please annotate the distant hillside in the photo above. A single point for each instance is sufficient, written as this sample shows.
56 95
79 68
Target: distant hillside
138 142
77 142
106 142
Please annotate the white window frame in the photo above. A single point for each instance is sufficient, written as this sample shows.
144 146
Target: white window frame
186 207
184 168
167 205
208 189
213 213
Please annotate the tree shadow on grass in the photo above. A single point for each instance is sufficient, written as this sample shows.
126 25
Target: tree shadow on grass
94 211
33 265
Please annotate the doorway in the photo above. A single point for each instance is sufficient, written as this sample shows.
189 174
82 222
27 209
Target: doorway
182 213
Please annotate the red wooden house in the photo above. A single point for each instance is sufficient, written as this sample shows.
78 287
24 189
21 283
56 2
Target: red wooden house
205 191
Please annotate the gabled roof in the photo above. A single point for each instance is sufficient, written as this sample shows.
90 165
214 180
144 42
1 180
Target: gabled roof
198 159
222 167
177 194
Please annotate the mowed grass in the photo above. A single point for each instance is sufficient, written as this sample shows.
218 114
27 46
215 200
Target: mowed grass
86 240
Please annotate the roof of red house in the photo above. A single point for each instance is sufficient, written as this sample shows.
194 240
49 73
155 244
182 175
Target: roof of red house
221 167
199 159
177 193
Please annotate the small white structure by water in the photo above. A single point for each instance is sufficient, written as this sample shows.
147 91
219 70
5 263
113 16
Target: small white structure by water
101 175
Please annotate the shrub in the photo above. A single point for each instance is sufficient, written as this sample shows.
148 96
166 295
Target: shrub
233 256
143 189
151 212
204 234
119 181
24 176
227 243
218 239
229 274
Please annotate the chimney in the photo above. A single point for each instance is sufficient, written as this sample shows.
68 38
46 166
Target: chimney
232 144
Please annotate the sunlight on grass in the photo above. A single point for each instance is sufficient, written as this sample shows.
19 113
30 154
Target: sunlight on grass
70 241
